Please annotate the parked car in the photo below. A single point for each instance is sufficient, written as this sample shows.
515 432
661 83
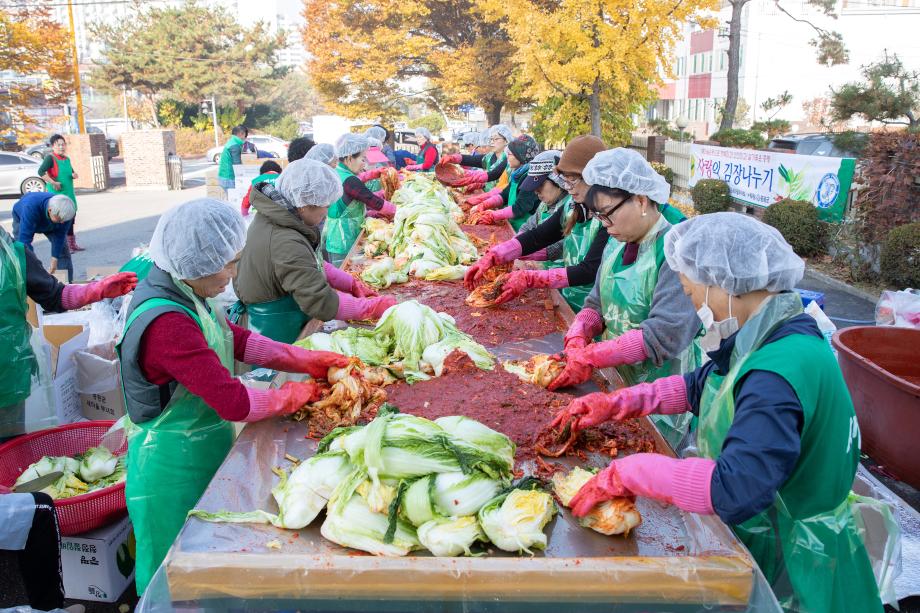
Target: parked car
40 150
19 174
810 144
264 143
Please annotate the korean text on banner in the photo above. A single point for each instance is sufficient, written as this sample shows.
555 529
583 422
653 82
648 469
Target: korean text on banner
761 178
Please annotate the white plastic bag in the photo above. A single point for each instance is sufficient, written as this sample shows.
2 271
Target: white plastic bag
901 308
824 322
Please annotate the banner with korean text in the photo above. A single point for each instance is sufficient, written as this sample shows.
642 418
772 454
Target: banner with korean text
761 178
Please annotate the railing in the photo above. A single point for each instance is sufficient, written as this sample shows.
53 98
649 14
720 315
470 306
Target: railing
640 144
174 172
677 158
97 163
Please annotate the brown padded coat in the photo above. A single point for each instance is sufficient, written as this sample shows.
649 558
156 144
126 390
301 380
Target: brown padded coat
280 258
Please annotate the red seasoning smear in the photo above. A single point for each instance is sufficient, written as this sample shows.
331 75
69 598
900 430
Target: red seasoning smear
521 319
498 233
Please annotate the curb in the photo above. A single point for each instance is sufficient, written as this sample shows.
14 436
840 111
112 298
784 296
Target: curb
844 287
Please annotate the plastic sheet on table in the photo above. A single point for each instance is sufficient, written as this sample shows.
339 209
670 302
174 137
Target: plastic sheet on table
665 560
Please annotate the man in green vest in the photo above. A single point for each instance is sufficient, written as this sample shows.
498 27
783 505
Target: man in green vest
232 154
777 440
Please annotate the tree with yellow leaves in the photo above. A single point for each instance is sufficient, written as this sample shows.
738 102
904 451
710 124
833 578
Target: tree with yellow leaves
364 55
36 47
590 64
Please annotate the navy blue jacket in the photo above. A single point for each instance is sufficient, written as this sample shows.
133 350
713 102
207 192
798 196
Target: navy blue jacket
764 440
30 213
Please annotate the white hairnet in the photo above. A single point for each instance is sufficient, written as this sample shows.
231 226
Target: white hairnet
626 169
351 144
374 142
424 132
197 238
321 152
309 183
62 206
376 132
733 251
503 131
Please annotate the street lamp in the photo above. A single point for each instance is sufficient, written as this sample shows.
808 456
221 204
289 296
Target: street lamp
681 122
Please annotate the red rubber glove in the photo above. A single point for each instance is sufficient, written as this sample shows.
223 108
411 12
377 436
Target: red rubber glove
665 396
263 351
684 483
373 308
370 175
413 167
501 253
360 289
628 348
452 158
473 177
288 399
586 325
76 296
519 281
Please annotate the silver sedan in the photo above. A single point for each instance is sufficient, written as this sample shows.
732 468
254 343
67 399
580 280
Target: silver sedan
19 174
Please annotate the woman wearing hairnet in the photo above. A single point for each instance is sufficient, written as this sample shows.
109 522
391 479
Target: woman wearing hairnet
283 281
377 162
346 215
490 170
511 203
177 354
427 156
647 322
383 135
561 234
324 153
777 436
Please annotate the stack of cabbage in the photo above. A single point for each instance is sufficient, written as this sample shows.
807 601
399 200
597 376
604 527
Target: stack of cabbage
425 240
411 340
404 483
91 470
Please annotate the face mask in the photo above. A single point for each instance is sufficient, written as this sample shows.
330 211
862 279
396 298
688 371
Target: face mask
716 331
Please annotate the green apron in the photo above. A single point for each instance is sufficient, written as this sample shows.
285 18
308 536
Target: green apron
17 361
575 248
489 162
807 543
64 177
420 157
543 213
626 294
268 177
281 320
671 213
343 224
139 264
172 458
225 169
517 222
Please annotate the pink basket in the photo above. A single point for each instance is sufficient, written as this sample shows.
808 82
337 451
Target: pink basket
80 513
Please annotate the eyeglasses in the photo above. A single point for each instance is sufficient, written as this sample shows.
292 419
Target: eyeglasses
568 182
606 219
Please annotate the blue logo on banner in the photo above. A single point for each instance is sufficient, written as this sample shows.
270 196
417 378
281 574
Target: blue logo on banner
828 190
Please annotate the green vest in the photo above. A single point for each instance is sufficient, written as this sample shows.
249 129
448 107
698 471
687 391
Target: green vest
575 248
17 361
268 177
64 177
489 162
543 213
517 222
172 458
225 169
626 294
343 224
806 543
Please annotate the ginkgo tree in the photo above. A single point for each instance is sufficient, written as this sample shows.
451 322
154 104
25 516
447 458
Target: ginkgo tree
596 62
374 58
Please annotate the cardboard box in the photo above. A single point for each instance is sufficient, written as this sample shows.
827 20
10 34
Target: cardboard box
99 382
99 565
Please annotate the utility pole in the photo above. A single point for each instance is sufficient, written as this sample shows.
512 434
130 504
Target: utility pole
124 94
76 69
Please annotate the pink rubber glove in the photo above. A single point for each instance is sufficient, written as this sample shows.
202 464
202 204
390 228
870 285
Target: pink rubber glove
492 202
288 399
370 175
665 396
452 158
338 278
351 308
80 295
472 187
381 194
478 198
519 281
536 256
413 167
628 348
490 218
360 289
684 483
586 325
473 177
388 209
502 253
263 351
